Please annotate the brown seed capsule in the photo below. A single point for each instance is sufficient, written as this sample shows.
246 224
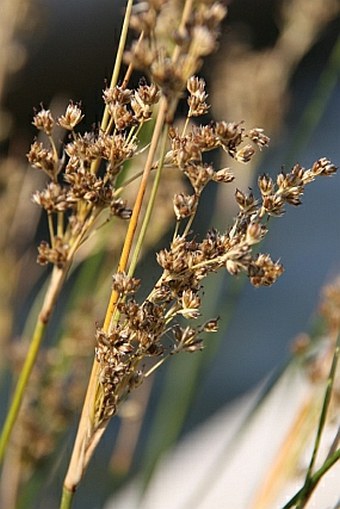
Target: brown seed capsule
184 205
44 121
72 117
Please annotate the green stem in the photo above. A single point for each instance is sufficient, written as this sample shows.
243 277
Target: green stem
150 205
317 105
20 388
314 480
66 499
118 59
301 498
56 282
326 401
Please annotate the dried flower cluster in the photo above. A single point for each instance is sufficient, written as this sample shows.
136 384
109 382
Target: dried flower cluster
77 192
153 53
83 182
144 329
155 327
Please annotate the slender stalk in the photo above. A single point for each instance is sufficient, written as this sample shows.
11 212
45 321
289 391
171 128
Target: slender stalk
105 122
306 491
303 495
124 258
119 58
66 499
60 224
90 432
51 228
56 282
316 105
150 206
314 480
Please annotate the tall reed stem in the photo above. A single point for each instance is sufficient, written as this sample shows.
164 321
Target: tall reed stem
58 277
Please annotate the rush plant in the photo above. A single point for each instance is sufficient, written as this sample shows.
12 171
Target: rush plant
89 177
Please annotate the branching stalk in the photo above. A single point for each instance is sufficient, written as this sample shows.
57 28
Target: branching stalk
87 436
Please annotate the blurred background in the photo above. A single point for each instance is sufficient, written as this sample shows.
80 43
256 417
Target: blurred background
277 68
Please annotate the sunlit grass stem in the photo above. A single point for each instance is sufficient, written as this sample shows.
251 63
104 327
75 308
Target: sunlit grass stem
56 282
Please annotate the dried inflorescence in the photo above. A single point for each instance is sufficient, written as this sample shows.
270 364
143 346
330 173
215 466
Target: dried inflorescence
84 172
143 329
153 52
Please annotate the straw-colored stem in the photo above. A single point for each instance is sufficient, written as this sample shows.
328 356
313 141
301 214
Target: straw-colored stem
50 227
60 224
87 436
119 58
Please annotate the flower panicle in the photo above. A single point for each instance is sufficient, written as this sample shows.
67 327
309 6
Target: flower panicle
86 173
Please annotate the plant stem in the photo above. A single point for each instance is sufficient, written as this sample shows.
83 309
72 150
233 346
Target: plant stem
124 258
316 105
314 480
66 500
150 206
302 497
118 59
105 122
306 492
56 282
55 285
89 432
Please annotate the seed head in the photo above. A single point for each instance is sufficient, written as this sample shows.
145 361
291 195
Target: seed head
72 117
124 284
43 159
190 304
259 138
223 175
184 205
245 154
44 121
263 271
